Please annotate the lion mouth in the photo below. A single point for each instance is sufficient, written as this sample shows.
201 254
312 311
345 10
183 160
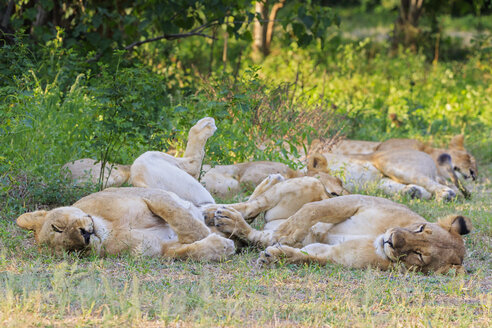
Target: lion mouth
385 248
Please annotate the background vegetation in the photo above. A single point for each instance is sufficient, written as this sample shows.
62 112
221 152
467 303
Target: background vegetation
77 80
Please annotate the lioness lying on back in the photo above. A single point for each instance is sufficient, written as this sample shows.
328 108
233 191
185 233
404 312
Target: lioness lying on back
88 170
355 231
143 221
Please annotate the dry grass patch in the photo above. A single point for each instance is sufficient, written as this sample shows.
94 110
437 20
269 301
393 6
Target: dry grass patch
40 289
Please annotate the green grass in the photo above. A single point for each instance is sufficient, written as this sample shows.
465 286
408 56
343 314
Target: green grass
38 288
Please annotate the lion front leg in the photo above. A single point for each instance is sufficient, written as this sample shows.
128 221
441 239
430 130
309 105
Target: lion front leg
294 230
391 187
358 253
279 252
230 221
262 199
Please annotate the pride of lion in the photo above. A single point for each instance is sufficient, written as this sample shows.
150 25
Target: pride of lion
310 216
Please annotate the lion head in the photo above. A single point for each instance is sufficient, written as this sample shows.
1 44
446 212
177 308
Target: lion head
463 161
64 228
317 167
436 247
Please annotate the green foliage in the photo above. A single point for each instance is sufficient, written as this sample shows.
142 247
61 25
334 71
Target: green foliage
405 96
306 22
102 26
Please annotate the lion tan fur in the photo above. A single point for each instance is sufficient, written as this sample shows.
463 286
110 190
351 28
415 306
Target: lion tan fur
407 166
227 180
354 230
155 169
462 160
143 221
88 170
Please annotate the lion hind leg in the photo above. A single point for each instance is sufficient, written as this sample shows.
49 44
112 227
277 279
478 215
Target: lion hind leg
266 184
211 248
182 216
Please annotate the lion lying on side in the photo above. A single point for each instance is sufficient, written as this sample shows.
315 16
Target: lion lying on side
226 181
463 162
403 171
415 168
88 170
356 231
149 222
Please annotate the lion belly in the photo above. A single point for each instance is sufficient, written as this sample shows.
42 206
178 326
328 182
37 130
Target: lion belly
152 170
369 223
149 241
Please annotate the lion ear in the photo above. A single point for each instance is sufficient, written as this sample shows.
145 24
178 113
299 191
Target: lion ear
316 161
456 223
457 142
32 220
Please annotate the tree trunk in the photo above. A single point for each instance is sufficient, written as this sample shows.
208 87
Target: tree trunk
406 31
5 30
263 28
6 16
260 29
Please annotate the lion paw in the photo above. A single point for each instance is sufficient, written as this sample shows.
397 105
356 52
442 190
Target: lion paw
275 178
446 195
269 255
208 212
266 184
413 191
228 220
215 247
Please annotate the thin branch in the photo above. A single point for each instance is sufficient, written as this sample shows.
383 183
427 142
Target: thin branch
194 32
168 37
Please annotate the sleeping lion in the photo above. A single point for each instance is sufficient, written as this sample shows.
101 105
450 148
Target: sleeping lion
88 170
354 230
142 221
463 162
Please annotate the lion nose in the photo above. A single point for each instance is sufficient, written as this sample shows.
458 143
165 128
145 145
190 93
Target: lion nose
86 234
473 175
398 239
